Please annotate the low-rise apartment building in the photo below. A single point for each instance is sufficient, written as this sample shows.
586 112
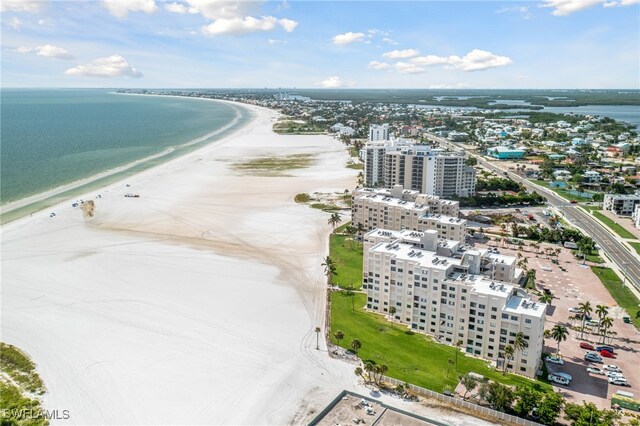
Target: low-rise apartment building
398 209
439 288
621 204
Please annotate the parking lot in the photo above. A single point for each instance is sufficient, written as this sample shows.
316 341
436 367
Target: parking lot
571 286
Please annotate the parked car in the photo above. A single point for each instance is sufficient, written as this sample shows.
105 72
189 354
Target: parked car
565 375
627 320
607 354
611 367
574 310
588 346
559 379
613 374
573 202
579 317
593 357
605 348
620 381
554 360
593 323
595 370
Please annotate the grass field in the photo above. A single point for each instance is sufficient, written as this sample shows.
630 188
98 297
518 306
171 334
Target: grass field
347 255
411 357
636 247
622 295
618 229
273 166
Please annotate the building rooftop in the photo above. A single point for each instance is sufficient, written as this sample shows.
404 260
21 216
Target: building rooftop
407 251
524 305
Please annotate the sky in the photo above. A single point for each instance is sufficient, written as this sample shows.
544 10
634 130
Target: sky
315 44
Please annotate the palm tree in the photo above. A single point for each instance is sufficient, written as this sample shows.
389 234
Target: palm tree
531 279
508 355
355 345
606 323
334 220
360 229
392 312
449 364
350 230
602 311
330 269
519 342
546 298
458 345
318 330
559 333
585 309
339 335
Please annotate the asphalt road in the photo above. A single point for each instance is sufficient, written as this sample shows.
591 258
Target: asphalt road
619 254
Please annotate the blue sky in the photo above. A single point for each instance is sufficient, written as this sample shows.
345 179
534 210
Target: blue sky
361 44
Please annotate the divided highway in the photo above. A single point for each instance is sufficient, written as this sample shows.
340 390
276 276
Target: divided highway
615 250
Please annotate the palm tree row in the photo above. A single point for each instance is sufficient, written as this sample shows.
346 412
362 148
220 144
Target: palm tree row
330 269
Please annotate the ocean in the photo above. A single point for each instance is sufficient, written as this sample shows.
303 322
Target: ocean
52 138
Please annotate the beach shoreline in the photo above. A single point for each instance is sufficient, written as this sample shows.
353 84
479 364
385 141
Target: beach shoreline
84 187
209 267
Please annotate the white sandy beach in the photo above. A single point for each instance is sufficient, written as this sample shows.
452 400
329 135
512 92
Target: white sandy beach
193 304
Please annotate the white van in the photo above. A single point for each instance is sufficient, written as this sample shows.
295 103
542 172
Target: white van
558 379
621 381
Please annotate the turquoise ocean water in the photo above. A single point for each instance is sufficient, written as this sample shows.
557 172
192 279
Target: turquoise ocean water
55 137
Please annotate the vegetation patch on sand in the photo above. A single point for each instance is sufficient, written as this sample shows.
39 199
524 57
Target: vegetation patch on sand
273 166
355 166
347 255
411 357
298 127
20 387
621 294
302 198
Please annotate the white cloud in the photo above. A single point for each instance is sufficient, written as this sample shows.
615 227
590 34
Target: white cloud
249 24
401 54
334 82
111 66
120 8
276 41
390 41
347 38
15 23
475 60
620 3
378 65
567 7
180 8
50 51
27 6
522 10
288 24
47 51
408 68
222 9
430 60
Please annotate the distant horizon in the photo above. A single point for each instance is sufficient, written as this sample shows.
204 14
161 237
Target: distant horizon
324 89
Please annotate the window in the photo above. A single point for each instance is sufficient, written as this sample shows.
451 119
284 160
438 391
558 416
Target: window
527 321
505 316
514 318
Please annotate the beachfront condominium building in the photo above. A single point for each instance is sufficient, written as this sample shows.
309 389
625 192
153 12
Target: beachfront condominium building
379 132
373 155
621 204
429 171
437 287
398 209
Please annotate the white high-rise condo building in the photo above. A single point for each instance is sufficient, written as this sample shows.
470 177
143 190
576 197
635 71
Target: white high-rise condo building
378 132
398 209
440 288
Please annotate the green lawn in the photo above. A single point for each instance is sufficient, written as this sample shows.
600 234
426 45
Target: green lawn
636 247
347 254
356 166
561 192
622 295
618 229
595 258
412 357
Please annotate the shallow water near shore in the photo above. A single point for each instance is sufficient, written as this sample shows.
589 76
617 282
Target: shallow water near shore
57 144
